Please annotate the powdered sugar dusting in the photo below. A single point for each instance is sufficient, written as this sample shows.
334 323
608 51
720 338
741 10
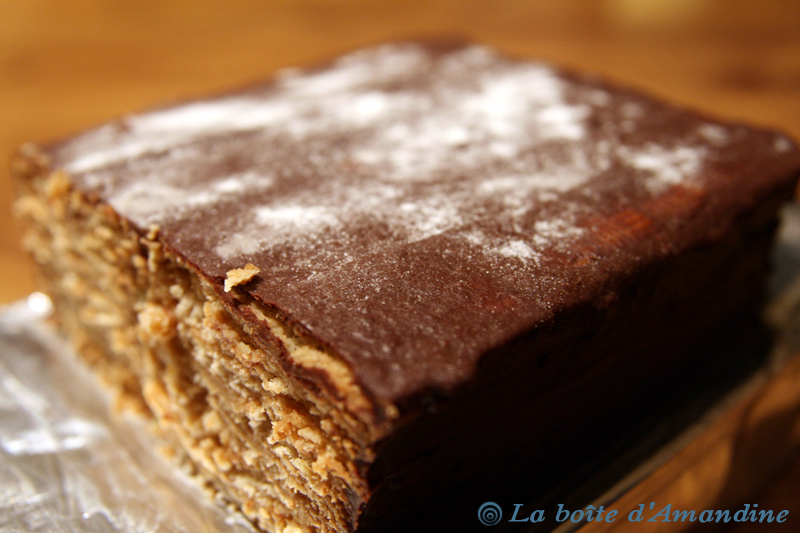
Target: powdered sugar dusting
414 207
517 248
664 166
394 137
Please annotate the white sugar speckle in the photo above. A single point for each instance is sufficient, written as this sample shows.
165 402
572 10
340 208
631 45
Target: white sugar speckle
631 110
295 216
386 63
717 135
517 248
151 200
555 231
598 98
229 185
664 166
563 121
502 149
782 144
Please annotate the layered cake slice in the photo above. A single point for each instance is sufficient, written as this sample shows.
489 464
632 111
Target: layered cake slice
374 294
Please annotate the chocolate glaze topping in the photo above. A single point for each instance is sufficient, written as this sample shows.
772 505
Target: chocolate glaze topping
413 206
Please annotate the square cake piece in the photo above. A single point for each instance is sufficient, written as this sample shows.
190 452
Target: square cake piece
374 294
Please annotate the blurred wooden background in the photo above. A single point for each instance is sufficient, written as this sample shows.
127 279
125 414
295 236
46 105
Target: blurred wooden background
65 66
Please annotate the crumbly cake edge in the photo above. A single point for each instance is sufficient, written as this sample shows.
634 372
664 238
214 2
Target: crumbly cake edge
176 353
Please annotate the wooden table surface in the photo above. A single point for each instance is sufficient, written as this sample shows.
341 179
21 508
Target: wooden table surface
65 66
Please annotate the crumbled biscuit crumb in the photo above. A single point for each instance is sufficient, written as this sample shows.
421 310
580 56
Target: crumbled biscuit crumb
237 276
157 323
57 185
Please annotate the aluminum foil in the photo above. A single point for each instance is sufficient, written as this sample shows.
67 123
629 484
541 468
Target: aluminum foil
67 465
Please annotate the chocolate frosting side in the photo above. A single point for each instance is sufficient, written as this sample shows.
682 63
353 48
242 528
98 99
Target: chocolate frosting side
412 207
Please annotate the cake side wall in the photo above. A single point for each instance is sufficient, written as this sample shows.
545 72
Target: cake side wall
545 407
166 344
